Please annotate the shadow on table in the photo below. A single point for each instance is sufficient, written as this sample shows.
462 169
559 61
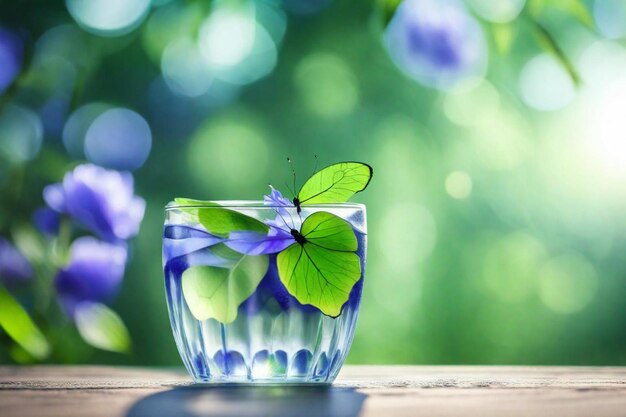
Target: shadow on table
246 401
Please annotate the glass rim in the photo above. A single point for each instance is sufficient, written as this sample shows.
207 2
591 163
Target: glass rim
258 204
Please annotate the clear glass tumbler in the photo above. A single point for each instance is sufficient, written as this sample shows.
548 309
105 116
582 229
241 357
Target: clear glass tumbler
265 335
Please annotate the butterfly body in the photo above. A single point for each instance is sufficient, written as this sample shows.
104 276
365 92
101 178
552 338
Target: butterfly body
299 237
296 203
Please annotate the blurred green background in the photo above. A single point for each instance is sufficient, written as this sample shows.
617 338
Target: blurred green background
496 215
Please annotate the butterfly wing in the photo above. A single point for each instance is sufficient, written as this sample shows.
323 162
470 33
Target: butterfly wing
322 271
335 183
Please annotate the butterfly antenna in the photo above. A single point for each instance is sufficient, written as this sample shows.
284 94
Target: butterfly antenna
316 160
293 171
283 219
293 194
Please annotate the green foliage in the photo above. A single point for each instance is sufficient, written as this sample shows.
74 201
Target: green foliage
19 326
322 270
102 328
213 292
220 221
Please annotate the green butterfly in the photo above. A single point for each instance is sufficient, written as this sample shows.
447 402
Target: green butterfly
334 184
321 267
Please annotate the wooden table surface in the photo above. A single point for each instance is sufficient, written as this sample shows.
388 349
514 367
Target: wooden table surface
379 391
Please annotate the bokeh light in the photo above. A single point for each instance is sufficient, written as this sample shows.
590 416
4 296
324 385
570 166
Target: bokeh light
511 265
53 114
69 43
11 50
227 37
184 70
610 17
410 234
545 85
459 184
229 154
501 142
471 102
76 127
567 283
118 138
168 23
21 134
327 85
237 47
500 11
108 17
177 116
603 66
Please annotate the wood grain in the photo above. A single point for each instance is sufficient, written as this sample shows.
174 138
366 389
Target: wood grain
365 391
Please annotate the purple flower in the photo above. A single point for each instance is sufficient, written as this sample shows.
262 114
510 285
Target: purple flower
100 200
255 243
183 240
279 235
275 198
47 221
284 219
14 267
436 42
94 273
11 51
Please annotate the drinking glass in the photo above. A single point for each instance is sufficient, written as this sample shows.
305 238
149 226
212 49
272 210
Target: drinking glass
274 338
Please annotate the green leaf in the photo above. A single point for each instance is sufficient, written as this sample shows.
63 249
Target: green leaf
336 183
18 326
197 203
322 270
220 221
213 292
101 327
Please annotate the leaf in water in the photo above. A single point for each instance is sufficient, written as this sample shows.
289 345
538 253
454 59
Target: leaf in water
101 327
220 221
321 267
18 325
195 203
214 292
335 183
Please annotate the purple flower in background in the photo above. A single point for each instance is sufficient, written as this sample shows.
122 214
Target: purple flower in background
436 42
11 52
47 221
14 267
94 273
101 200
